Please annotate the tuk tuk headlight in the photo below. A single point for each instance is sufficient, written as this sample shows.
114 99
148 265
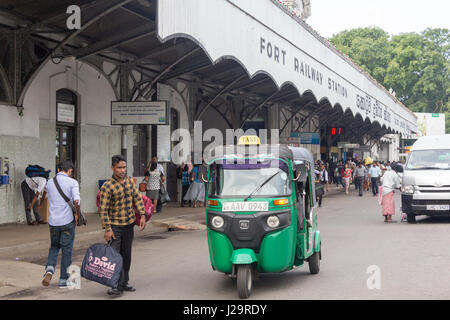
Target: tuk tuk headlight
217 222
408 189
273 221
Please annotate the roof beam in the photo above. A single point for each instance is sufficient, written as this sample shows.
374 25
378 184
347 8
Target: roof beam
94 16
115 41
137 13
156 79
188 69
199 114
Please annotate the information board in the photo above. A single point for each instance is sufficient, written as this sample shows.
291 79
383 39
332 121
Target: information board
139 113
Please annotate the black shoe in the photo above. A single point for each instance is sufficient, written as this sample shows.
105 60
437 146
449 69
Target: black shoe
115 292
129 289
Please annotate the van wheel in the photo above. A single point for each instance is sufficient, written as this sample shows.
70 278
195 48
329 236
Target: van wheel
314 263
411 218
244 280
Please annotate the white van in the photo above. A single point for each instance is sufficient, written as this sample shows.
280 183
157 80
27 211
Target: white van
426 178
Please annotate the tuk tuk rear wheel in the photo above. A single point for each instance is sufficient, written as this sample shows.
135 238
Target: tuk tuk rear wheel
244 280
314 263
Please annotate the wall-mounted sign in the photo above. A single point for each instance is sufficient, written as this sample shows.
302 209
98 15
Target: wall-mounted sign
139 112
290 140
349 146
309 138
65 112
364 148
303 138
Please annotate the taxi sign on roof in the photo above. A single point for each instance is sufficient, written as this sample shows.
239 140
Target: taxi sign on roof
249 140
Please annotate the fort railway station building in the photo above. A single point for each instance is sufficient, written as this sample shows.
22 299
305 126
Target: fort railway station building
226 64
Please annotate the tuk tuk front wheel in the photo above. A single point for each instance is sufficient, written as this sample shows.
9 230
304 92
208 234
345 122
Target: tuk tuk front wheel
244 280
314 263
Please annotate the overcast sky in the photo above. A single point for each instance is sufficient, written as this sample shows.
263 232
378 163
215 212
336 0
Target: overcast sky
329 17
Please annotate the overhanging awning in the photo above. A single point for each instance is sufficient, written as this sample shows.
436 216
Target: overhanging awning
265 39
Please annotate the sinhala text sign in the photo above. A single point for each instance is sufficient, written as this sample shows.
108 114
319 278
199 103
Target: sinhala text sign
138 112
275 44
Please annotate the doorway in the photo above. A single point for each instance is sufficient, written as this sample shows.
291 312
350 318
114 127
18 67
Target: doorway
140 146
66 127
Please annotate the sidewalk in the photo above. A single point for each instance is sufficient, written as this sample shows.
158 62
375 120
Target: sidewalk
23 246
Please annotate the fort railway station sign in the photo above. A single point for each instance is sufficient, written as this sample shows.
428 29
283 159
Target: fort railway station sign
260 36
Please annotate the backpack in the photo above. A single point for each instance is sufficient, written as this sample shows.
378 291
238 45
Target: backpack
37 171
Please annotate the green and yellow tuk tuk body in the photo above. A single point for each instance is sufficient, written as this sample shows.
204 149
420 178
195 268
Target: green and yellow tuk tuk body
261 212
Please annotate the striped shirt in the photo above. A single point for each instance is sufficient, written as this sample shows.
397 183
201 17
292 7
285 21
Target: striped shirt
116 203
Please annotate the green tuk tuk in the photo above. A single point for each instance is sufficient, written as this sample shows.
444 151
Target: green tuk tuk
261 211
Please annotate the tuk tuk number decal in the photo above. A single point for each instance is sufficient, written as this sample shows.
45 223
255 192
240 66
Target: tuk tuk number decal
245 206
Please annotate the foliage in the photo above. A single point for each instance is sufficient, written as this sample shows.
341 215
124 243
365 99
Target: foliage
416 66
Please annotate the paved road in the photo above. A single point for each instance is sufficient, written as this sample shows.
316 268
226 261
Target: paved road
413 260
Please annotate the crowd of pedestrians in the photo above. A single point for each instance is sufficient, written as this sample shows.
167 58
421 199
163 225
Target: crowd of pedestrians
379 177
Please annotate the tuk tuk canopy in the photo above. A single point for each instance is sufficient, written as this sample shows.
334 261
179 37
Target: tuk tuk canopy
263 151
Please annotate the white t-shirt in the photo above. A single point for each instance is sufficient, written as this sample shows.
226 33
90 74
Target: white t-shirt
154 180
37 184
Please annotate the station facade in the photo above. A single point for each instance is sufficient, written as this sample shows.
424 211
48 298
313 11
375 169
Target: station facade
218 64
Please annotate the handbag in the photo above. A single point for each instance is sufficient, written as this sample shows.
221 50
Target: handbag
81 218
163 195
143 186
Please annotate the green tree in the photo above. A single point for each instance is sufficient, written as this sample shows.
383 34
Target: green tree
367 47
416 66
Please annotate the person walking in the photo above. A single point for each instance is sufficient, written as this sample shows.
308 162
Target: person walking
324 176
32 190
347 177
158 208
117 196
340 173
319 187
62 222
358 176
185 183
203 175
154 177
374 176
391 181
196 192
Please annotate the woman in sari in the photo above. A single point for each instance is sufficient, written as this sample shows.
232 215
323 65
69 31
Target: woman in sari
391 181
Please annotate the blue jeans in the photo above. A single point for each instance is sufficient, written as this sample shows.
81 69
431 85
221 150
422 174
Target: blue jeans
61 237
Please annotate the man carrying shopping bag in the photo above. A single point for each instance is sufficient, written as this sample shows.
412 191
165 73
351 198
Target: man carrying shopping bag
117 196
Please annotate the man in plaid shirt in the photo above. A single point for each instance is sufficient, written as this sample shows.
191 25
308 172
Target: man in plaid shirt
117 196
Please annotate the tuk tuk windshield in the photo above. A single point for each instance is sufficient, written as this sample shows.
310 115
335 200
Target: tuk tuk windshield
269 178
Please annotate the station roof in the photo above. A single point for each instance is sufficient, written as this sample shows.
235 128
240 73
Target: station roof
118 34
